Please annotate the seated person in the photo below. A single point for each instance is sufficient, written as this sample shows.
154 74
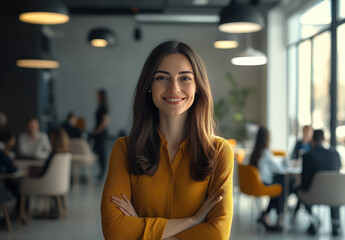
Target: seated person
303 145
60 144
70 126
270 173
32 143
6 164
320 159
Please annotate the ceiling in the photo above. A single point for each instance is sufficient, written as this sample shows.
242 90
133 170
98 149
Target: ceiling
157 7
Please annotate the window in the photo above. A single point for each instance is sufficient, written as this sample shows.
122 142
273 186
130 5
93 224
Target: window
321 82
340 130
304 83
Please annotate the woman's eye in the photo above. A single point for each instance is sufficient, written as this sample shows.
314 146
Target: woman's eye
161 78
186 78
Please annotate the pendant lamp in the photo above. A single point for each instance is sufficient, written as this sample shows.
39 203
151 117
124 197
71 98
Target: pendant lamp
249 57
45 12
102 37
240 18
226 41
38 61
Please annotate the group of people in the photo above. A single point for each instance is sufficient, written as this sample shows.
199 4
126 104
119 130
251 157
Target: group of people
315 157
35 144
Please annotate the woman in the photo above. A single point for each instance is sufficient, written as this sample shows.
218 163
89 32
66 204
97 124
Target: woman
269 169
100 131
60 144
171 178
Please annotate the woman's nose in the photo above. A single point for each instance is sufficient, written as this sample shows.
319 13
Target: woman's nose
174 86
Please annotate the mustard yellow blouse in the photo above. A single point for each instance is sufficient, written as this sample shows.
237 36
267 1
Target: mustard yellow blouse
170 193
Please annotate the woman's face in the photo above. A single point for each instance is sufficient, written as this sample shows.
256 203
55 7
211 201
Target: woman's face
173 87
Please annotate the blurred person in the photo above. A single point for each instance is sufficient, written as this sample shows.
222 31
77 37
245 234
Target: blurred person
303 145
3 122
32 143
6 164
171 178
100 131
60 144
70 126
270 173
320 159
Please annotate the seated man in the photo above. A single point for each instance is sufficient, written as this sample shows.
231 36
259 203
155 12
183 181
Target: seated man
320 159
33 143
70 126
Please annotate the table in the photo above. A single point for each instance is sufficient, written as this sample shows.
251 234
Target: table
25 164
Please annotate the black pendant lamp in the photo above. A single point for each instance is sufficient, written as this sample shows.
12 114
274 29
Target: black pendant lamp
240 18
102 37
45 12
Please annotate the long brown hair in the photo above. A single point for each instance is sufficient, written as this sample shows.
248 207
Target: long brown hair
59 140
262 142
144 141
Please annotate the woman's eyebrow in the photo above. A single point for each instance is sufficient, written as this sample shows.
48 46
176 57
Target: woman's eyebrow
186 72
164 72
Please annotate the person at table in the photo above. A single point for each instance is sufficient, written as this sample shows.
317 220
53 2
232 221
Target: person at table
270 173
60 144
6 163
32 143
70 126
303 145
171 178
320 159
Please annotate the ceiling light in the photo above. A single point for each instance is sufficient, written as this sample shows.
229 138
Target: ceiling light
102 37
44 12
37 63
249 57
226 41
240 18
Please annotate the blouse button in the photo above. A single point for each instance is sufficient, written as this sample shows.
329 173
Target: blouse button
171 180
180 147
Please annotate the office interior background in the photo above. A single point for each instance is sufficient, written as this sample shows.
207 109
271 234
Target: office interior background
303 82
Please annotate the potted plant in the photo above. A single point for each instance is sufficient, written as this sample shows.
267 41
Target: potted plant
235 104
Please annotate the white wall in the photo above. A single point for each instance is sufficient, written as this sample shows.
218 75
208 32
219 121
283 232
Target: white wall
85 69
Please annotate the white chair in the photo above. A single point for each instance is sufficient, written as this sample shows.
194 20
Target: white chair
82 155
54 183
326 189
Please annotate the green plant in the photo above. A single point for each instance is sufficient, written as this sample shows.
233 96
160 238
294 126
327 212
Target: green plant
235 103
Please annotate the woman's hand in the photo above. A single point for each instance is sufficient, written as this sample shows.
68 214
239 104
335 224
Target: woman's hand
210 202
124 205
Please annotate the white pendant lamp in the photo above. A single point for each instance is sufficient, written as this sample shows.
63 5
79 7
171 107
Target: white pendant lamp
45 12
240 18
249 57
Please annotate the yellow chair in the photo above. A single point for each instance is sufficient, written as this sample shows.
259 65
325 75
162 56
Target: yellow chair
251 184
240 155
279 153
232 143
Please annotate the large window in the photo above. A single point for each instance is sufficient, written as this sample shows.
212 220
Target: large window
321 82
309 57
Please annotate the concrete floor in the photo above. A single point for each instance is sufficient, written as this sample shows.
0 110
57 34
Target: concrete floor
84 221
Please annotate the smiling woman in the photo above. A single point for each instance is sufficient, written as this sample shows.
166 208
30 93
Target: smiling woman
171 178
